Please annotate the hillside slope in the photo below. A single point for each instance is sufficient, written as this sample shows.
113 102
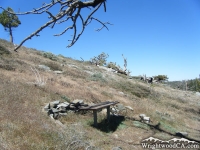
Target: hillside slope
25 88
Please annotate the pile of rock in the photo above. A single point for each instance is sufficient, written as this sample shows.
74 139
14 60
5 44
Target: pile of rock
56 109
119 108
144 118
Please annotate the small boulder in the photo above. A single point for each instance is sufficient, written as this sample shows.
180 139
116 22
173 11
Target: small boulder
120 107
55 115
182 134
62 109
54 110
142 115
46 68
51 116
54 104
121 93
116 148
58 72
129 107
198 93
63 114
47 107
146 119
62 105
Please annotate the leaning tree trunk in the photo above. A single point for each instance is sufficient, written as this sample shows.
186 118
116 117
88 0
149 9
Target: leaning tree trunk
11 36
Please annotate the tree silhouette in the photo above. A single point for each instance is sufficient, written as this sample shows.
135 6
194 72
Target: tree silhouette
9 21
70 10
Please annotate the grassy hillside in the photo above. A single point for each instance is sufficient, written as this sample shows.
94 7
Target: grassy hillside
24 124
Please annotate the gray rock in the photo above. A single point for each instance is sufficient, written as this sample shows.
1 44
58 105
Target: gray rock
116 148
62 105
146 119
197 93
72 107
55 115
120 107
62 109
47 107
55 110
59 123
66 103
54 104
181 133
58 72
46 68
121 93
51 116
129 107
114 111
142 115
63 114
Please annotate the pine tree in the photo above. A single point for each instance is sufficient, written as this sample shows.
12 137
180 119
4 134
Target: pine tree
9 21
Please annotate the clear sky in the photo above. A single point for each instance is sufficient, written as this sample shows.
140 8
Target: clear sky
156 36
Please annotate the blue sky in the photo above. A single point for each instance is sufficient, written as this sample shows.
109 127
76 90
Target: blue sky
156 36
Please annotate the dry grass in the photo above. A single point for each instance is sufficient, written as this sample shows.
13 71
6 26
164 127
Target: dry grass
25 126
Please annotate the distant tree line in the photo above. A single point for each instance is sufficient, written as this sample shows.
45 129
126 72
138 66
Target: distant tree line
193 85
190 85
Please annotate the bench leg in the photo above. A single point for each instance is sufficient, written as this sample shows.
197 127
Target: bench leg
95 117
108 113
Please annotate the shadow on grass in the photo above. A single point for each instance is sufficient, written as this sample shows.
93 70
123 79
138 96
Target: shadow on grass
112 125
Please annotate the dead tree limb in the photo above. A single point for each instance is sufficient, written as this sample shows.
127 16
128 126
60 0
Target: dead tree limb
71 10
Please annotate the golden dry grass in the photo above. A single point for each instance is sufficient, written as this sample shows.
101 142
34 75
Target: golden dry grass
24 125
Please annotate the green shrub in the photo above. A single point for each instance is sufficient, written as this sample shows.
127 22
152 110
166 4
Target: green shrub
113 66
66 98
97 77
50 56
141 125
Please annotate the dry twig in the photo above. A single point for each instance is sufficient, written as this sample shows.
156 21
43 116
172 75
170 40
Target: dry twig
71 10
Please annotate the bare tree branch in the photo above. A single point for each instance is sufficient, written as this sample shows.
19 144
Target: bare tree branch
71 9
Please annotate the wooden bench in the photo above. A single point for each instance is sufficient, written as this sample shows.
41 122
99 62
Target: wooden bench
99 106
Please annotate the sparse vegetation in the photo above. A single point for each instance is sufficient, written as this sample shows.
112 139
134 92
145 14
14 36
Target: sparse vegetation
97 77
113 66
50 56
4 51
24 125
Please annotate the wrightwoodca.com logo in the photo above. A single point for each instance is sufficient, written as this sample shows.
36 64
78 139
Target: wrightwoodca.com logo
175 143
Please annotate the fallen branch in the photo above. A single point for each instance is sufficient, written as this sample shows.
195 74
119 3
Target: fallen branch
71 9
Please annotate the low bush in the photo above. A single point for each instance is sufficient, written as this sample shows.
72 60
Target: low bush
97 77
50 56
113 66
